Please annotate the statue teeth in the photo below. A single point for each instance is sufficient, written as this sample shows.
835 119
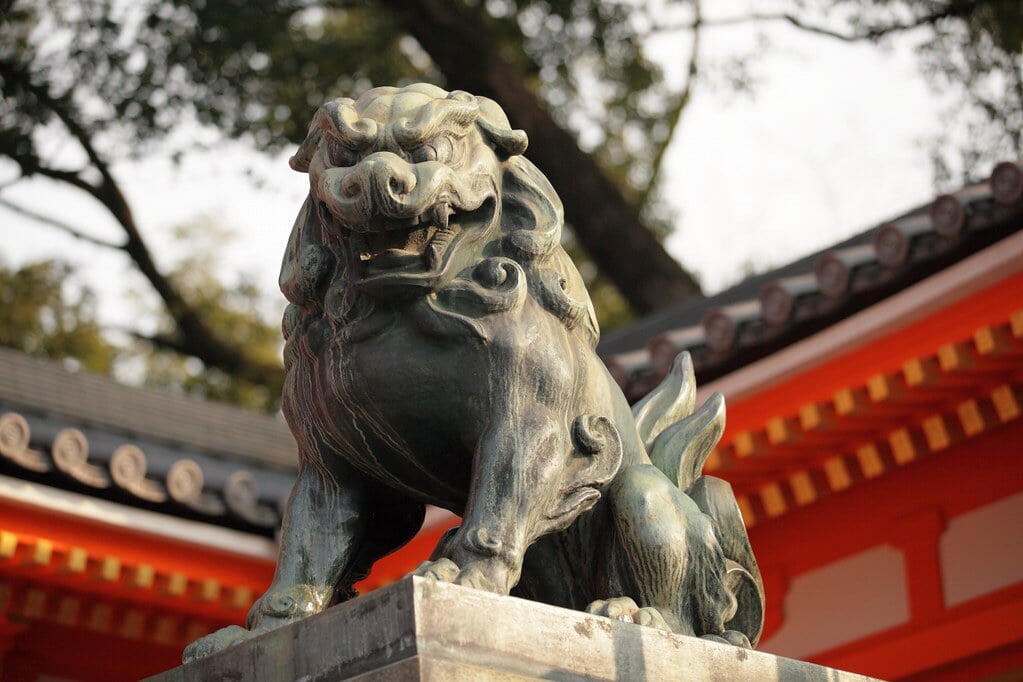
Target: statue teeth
359 245
441 212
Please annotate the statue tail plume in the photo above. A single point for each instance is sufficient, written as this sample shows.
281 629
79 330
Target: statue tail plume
678 439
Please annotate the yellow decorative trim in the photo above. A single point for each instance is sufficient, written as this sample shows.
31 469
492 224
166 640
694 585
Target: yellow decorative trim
19 554
143 576
774 500
1006 403
870 461
954 369
76 561
803 488
8 545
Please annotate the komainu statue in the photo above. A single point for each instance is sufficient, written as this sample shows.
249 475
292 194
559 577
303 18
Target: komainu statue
440 350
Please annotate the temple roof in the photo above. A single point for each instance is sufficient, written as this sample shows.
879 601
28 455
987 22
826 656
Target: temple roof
770 311
148 447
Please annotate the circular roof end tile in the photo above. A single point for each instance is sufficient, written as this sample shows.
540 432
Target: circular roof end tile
891 245
719 331
776 304
948 216
1007 182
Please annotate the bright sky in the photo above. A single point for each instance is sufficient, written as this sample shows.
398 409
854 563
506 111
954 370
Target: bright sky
832 142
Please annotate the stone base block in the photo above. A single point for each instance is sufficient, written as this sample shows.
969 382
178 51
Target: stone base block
418 629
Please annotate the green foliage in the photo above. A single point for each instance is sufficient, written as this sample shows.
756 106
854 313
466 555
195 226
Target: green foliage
260 67
265 65
43 314
119 76
238 314
123 75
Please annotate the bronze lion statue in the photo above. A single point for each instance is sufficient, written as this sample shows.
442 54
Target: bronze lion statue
440 350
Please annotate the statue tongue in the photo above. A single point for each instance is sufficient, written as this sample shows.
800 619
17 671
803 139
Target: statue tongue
395 258
397 248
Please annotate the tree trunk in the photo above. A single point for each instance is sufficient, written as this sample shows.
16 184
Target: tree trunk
606 225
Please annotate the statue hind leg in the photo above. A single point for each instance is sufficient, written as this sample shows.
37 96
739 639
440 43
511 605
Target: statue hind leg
665 560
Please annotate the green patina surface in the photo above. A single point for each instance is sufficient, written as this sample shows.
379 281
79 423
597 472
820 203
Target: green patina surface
440 350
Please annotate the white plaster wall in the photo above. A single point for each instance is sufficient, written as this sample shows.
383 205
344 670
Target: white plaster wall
982 550
844 601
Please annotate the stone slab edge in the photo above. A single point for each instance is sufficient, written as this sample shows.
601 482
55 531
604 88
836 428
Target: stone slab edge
419 629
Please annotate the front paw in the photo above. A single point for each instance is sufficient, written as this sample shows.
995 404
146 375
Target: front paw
214 642
290 603
485 575
274 609
444 570
626 610
733 637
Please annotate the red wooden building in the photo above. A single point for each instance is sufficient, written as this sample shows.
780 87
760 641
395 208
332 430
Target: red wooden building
875 442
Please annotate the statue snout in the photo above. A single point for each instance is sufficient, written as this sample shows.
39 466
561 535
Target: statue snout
390 178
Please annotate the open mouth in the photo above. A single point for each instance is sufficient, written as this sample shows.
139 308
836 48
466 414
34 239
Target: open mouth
415 243
418 245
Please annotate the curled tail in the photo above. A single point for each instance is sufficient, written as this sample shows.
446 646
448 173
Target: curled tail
679 441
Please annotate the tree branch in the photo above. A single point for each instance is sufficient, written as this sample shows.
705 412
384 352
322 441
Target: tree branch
196 337
674 115
607 226
243 368
61 109
53 222
159 341
874 32
70 177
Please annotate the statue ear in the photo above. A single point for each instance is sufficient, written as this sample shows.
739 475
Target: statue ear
533 213
505 141
495 128
307 263
303 157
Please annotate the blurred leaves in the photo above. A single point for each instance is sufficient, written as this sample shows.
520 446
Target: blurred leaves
45 314
239 315
133 70
119 77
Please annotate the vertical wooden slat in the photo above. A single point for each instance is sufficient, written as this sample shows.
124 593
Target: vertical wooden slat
837 474
803 490
1007 402
774 500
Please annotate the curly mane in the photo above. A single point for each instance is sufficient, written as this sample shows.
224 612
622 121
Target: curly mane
316 272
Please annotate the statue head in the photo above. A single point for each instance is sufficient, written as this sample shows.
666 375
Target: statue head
409 188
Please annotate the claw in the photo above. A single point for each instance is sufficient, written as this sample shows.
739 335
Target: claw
627 611
444 570
214 642
733 637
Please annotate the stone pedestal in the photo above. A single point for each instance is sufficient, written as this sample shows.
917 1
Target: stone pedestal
419 629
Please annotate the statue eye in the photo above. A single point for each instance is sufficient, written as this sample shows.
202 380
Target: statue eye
340 156
425 152
440 148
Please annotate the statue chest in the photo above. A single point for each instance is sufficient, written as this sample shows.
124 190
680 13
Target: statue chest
407 411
